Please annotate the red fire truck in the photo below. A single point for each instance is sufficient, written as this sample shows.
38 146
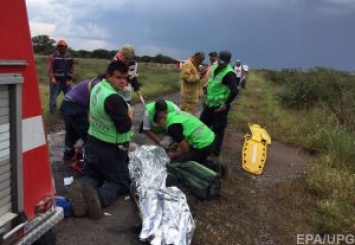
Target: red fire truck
27 207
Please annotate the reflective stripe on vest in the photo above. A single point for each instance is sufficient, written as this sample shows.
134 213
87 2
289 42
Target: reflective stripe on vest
62 66
195 132
198 130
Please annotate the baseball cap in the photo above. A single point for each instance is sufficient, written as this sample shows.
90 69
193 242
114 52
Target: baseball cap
213 54
128 52
224 57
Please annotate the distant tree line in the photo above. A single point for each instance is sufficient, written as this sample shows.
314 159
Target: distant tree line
43 44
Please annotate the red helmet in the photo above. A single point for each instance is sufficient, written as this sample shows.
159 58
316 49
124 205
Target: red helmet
62 43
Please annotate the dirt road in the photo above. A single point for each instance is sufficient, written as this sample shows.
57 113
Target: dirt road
227 221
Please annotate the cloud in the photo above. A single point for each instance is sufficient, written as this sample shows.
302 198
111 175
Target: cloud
39 28
333 7
341 2
273 33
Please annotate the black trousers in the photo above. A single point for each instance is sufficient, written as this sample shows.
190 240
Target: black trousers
106 169
76 125
217 121
197 155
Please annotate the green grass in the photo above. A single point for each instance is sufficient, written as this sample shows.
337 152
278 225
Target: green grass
156 79
254 105
331 182
334 190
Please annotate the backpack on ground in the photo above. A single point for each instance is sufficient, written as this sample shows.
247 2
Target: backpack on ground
196 178
217 166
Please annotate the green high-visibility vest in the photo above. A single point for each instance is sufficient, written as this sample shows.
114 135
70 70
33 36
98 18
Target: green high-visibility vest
195 132
101 124
217 93
151 112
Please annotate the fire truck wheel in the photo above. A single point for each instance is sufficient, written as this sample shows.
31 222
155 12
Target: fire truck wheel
48 238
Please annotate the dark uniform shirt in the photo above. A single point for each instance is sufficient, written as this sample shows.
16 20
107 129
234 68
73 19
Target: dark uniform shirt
133 72
175 132
117 109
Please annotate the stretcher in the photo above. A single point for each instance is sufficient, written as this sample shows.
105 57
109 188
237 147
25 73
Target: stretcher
255 147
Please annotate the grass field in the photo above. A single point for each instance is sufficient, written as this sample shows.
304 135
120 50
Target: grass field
155 79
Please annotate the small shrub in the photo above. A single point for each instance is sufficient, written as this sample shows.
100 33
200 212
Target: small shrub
300 92
340 147
279 77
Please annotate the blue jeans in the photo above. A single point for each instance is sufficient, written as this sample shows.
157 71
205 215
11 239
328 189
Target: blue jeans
54 91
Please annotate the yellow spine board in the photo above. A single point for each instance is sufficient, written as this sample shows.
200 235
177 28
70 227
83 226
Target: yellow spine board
254 149
259 134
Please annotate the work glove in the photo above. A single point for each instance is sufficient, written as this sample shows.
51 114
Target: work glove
53 81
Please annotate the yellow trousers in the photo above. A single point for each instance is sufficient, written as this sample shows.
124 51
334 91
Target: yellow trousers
188 107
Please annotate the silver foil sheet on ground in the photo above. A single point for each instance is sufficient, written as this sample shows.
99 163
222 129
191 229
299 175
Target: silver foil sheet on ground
166 217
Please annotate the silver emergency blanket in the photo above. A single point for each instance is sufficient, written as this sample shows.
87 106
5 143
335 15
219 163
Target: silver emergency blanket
166 217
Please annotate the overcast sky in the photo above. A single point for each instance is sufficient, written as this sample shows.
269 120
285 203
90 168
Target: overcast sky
261 33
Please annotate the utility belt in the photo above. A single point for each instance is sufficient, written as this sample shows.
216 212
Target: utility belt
122 146
62 79
211 108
